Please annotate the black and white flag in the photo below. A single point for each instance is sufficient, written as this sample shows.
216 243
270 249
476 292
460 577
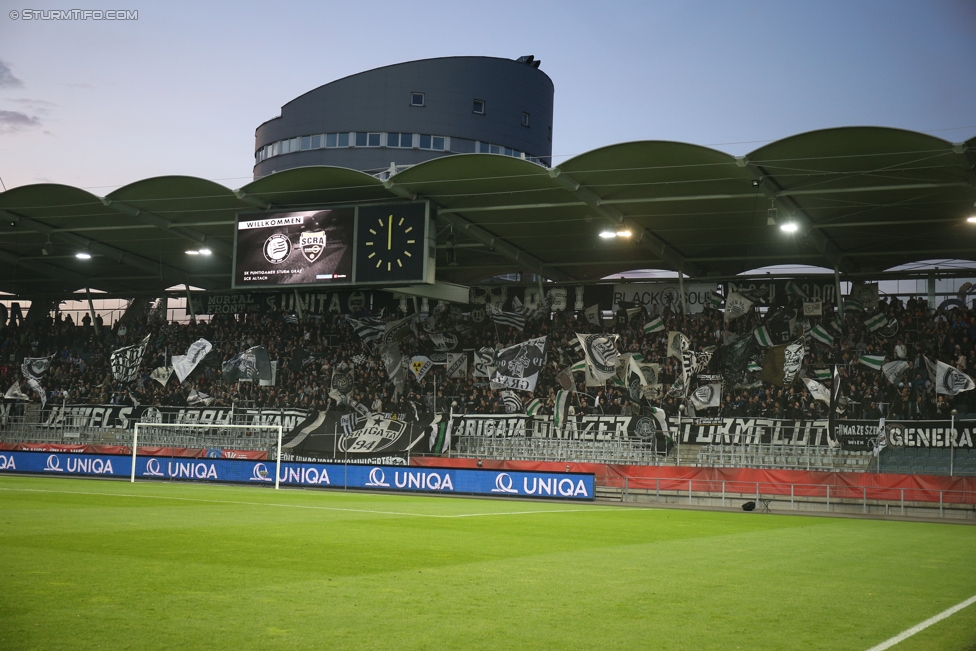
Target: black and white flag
457 365
511 402
600 351
510 319
252 365
518 366
162 374
735 306
343 381
32 369
677 344
126 360
183 365
484 362
368 329
706 396
950 381
198 398
396 370
14 393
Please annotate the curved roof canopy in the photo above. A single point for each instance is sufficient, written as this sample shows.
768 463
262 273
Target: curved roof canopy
863 199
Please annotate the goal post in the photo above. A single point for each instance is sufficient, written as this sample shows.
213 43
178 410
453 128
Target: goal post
207 435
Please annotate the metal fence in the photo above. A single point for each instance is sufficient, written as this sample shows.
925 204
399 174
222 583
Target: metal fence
791 457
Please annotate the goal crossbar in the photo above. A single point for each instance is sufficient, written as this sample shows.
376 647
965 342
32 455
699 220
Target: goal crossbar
275 428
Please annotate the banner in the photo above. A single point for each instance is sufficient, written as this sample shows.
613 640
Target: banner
518 366
765 292
457 365
499 483
125 361
183 365
310 302
77 417
863 434
654 297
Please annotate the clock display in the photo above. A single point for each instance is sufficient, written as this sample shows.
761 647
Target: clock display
391 243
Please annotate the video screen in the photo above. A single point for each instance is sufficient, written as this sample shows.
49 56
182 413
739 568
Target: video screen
294 248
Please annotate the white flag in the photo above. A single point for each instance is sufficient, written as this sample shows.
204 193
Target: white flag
817 390
14 393
162 374
950 381
735 306
183 365
707 395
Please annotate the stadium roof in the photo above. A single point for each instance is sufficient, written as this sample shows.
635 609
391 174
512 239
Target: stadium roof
864 199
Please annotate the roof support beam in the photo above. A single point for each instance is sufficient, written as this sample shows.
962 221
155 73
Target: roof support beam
816 237
871 188
478 234
42 268
649 240
191 234
122 257
254 200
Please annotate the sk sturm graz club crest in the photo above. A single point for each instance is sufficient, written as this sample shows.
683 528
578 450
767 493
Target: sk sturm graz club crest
312 244
277 248
601 354
518 366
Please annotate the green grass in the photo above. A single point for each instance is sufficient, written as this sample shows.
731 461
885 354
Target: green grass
90 564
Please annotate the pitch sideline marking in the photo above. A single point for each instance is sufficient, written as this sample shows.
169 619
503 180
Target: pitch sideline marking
904 635
302 506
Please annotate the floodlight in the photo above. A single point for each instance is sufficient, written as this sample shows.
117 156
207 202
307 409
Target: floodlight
83 256
789 227
608 235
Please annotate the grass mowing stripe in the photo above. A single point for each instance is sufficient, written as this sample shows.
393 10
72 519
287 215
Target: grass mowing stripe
305 506
904 635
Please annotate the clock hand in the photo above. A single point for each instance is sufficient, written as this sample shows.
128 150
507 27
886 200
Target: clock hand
389 236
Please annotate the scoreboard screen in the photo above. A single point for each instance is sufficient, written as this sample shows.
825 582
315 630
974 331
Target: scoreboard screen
375 244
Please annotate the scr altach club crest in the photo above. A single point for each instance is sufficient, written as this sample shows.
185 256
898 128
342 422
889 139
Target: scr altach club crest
312 245
277 248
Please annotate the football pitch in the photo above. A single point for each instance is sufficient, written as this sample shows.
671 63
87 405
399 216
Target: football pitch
88 564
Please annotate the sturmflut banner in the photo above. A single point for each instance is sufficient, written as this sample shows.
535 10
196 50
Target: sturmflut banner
509 483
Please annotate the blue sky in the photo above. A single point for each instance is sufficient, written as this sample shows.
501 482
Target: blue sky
181 89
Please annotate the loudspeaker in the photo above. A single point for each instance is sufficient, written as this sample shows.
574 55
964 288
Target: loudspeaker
749 506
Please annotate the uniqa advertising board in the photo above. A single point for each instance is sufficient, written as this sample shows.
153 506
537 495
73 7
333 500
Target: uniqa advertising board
462 481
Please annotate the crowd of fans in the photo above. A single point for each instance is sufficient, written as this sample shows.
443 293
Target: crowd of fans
308 352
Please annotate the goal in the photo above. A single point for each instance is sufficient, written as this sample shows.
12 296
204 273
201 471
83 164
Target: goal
216 437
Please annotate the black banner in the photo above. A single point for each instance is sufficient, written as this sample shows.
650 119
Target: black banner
311 302
376 438
765 292
79 417
862 434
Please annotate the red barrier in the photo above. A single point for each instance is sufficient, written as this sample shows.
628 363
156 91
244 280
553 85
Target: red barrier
148 450
809 483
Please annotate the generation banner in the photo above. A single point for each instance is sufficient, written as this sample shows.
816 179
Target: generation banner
499 483
862 434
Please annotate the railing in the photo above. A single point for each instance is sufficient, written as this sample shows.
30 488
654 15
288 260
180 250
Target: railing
543 449
787 496
796 457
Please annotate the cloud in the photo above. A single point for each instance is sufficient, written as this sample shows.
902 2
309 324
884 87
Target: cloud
37 106
13 121
7 79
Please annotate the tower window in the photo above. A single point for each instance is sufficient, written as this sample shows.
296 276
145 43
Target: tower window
416 99
525 119
479 107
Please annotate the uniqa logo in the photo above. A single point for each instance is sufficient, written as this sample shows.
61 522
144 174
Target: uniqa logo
153 469
7 463
191 470
503 484
554 486
260 473
90 466
377 478
305 475
53 464
423 480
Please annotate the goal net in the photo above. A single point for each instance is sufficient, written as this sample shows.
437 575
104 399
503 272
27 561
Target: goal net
181 444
